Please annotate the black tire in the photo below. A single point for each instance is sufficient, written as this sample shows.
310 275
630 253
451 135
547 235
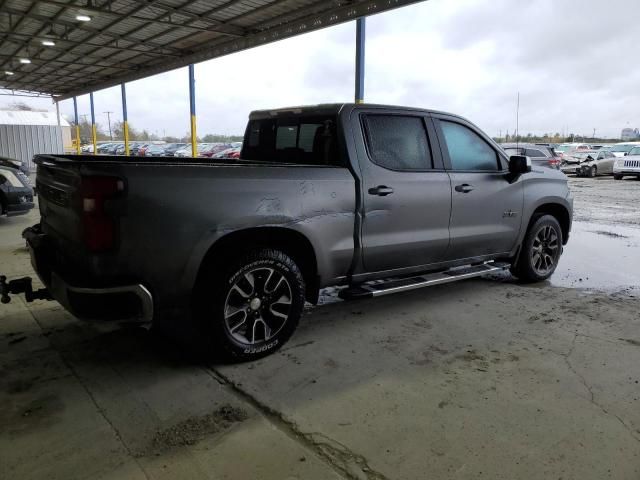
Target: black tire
541 250
239 305
617 177
593 171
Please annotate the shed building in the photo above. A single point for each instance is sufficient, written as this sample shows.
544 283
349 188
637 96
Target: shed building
26 133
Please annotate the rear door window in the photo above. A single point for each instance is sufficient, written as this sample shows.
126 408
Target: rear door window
398 142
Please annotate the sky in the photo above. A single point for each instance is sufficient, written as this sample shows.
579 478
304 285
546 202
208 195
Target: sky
573 62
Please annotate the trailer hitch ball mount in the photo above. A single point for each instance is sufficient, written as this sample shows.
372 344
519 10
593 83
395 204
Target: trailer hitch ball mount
21 285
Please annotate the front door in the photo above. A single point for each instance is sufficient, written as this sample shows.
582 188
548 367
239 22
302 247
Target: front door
486 209
406 192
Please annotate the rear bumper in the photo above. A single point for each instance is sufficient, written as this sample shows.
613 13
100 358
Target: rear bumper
88 302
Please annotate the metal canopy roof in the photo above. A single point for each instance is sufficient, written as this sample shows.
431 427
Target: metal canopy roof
128 40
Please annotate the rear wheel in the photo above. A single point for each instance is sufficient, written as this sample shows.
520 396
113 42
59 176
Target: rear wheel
617 177
251 307
541 250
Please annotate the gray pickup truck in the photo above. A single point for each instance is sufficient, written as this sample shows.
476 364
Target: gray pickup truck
379 199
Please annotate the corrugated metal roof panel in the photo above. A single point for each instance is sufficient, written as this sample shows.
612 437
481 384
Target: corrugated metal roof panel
20 117
158 35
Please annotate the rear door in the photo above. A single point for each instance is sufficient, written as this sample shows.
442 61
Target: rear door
486 209
406 191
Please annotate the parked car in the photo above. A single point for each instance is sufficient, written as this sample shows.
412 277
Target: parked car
568 148
14 163
572 162
16 194
541 156
184 151
211 149
622 149
171 148
629 165
142 150
599 162
104 148
228 153
88 148
325 195
154 151
133 148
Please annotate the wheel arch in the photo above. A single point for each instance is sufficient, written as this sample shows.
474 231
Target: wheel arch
291 242
559 212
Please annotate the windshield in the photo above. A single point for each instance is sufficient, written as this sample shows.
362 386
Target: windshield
634 151
622 148
565 148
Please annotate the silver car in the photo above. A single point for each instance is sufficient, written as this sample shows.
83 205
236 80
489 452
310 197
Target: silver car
598 163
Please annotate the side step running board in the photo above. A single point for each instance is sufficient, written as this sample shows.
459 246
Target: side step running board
396 285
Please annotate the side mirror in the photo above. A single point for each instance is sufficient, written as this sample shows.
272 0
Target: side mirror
519 164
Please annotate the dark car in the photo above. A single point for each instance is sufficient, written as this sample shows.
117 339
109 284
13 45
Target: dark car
541 155
14 163
104 147
16 195
172 148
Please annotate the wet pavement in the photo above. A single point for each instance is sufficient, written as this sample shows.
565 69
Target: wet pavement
600 257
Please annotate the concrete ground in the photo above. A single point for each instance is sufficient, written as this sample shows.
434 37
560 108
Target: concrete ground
481 379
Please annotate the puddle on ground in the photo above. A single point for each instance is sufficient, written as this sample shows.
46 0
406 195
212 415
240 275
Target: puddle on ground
600 257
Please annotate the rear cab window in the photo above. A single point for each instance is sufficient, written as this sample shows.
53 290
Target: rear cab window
302 140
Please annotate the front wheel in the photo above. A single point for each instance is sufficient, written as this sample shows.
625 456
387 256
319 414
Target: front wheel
617 177
252 307
541 250
593 171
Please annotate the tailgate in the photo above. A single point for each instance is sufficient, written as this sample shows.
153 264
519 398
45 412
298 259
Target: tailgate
59 202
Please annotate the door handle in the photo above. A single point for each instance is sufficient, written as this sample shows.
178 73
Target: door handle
381 190
464 188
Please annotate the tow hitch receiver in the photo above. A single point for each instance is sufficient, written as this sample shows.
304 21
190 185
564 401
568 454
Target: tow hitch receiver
21 285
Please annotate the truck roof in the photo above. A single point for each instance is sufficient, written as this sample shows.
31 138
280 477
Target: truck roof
331 109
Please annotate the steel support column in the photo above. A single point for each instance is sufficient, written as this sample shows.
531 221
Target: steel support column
94 135
360 44
125 120
192 108
75 115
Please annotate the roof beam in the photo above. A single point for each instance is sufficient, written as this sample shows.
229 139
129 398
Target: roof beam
94 31
219 27
45 62
56 48
87 44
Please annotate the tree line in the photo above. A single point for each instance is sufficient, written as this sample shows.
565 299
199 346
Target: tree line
117 134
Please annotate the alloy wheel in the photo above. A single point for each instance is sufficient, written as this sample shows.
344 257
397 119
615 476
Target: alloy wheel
257 306
545 250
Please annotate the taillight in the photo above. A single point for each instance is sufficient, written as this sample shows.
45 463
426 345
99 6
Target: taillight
99 228
554 162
